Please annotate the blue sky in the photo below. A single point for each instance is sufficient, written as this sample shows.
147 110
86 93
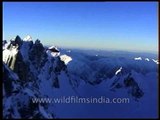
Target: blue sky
98 25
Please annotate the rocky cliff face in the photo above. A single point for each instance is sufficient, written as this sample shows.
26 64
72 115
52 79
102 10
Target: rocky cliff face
24 61
17 102
27 59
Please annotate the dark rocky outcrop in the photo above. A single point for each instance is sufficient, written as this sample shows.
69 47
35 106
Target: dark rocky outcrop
17 103
24 63
136 92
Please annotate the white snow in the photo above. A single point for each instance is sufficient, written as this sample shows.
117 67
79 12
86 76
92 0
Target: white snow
52 54
65 58
147 59
7 54
138 58
118 71
156 61
14 51
27 38
53 47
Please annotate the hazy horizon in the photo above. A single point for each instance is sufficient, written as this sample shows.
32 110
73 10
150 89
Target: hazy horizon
85 48
126 26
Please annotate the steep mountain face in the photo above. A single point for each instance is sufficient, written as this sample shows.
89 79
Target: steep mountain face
24 61
17 98
27 60
34 71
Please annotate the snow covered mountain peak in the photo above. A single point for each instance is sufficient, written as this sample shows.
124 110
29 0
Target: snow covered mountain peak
66 59
27 38
147 59
53 51
138 58
27 68
53 47
118 71
156 61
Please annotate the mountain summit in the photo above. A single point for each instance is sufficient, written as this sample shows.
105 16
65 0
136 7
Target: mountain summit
28 38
